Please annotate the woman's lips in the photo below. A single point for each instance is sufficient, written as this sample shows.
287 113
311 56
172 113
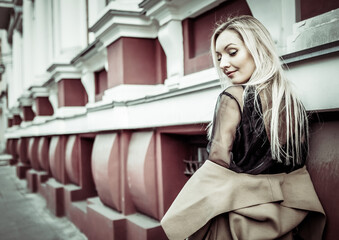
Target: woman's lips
230 74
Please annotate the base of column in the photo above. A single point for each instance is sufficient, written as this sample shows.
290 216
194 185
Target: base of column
142 227
76 206
31 176
104 223
55 197
21 170
42 178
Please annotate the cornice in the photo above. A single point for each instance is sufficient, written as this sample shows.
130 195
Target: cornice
117 23
62 71
166 10
86 53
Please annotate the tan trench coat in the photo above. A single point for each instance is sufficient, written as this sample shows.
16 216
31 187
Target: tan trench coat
219 204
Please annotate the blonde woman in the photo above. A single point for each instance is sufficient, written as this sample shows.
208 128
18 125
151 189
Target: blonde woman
254 184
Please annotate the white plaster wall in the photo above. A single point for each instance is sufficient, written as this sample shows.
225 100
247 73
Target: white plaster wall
316 82
69 29
42 40
278 16
16 84
28 43
94 8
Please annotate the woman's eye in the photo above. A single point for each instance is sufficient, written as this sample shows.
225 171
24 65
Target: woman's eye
219 58
233 52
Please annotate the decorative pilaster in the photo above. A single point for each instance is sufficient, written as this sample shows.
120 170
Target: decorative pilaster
169 15
67 94
284 14
69 29
26 103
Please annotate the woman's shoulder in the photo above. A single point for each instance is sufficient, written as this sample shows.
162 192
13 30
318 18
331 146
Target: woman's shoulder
235 92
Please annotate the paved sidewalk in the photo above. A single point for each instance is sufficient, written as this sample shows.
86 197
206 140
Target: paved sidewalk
24 215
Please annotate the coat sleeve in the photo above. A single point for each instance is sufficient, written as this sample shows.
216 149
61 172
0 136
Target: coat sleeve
214 190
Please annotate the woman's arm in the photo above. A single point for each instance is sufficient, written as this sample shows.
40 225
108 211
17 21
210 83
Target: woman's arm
227 119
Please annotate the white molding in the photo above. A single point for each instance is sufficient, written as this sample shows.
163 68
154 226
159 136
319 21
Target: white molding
88 81
69 112
59 72
171 40
324 26
115 24
128 92
164 11
38 91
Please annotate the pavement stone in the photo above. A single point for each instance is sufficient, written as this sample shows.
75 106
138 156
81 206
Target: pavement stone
24 215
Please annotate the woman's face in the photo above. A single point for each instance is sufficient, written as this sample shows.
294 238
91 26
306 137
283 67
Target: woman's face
234 58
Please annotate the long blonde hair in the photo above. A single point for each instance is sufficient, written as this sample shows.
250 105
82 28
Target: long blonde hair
286 116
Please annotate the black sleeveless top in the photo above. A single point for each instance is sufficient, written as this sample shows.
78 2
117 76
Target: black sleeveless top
251 151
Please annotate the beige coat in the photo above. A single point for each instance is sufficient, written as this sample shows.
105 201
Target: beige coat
219 204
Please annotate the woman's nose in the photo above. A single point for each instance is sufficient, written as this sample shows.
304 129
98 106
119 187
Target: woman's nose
224 63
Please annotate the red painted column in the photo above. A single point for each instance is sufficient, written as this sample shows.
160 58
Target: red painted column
43 106
57 158
43 156
20 149
72 159
33 153
43 159
71 92
32 175
28 113
141 170
135 61
106 169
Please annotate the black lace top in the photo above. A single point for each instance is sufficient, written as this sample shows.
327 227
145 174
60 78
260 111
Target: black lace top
250 151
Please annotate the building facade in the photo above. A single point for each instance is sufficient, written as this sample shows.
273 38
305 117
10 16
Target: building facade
104 104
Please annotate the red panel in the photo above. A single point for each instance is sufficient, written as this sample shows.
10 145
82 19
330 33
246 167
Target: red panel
43 106
135 61
72 158
43 150
198 32
86 178
14 150
176 144
101 84
141 170
17 120
106 168
161 63
10 122
323 165
33 152
115 74
8 146
71 92
312 8
22 150
28 113
57 158
173 152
